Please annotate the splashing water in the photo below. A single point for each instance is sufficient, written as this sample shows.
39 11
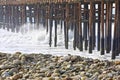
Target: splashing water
33 40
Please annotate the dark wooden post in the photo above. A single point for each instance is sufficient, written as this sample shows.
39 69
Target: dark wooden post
55 13
80 27
23 8
51 23
1 15
91 26
66 24
47 15
75 27
85 28
4 18
98 30
36 10
17 18
94 28
102 27
108 27
7 11
13 18
118 29
115 39
30 13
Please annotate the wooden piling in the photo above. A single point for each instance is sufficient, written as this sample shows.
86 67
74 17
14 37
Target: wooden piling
102 28
85 28
91 26
108 27
66 24
75 27
51 24
55 13
114 53
98 30
80 27
1 15
23 14
94 28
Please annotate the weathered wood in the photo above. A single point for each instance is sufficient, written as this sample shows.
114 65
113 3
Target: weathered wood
102 28
94 28
98 30
114 53
91 26
108 27
66 23
1 15
75 27
51 24
55 13
80 28
85 28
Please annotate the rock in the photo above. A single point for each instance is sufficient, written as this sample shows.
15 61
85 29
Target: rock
84 78
50 78
18 53
95 76
51 65
67 78
43 70
48 73
77 77
5 74
57 78
42 74
117 62
64 75
82 73
66 58
1 78
110 75
12 71
6 66
47 67
17 62
38 78
16 76
74 58
26 76
56 71
55 75
100 77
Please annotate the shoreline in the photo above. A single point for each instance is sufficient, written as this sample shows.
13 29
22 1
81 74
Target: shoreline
19 66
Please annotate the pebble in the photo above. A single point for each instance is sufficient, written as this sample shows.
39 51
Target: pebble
16 76
5 74
20 66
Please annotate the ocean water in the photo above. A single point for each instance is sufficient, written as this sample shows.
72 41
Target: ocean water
32 40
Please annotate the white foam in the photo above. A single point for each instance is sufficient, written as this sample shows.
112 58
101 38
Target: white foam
31 40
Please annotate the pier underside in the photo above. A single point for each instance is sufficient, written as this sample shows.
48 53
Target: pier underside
87 18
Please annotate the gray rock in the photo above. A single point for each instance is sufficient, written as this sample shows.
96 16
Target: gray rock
43 70
6 66
5 74
17 62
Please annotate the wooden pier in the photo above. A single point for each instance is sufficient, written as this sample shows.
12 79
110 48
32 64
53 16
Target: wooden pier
87 18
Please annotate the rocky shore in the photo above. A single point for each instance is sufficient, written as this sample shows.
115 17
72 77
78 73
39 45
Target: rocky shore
20 66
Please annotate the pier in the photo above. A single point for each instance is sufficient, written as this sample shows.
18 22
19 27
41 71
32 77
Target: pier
92 21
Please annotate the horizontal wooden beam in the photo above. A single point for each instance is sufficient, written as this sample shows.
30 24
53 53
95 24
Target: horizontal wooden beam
19 2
